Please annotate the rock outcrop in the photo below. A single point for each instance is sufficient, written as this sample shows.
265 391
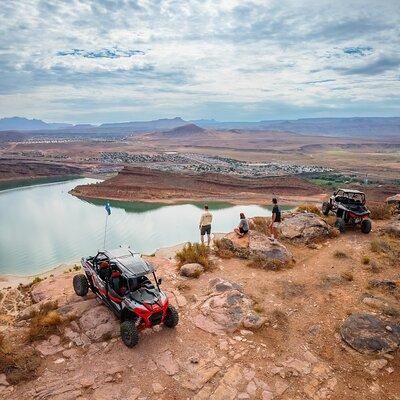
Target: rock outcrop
256 245
304 227
191 270
227 309
367 333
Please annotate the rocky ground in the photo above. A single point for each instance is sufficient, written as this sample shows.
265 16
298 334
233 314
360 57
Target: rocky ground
324 325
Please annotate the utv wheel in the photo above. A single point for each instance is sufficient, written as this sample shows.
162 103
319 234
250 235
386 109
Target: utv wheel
129 333
340 225
81 285
172 317
366 226
325 208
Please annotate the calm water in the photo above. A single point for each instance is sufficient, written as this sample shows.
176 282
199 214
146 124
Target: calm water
43 226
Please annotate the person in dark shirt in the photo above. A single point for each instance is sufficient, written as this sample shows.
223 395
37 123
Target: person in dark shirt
275 221
243 227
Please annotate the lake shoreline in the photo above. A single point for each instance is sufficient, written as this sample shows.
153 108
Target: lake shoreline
10 280
249 200
167 252
133 184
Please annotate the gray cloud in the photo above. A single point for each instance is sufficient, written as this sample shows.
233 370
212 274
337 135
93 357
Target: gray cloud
376 67
132 58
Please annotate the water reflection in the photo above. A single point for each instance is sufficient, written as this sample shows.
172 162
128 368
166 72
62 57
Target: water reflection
42 226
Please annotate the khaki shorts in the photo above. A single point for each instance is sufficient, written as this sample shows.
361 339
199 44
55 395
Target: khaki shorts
276 225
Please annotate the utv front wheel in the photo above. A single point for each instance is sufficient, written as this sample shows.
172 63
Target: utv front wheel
325 208
366 226
129 333
340 225
81 285
172 317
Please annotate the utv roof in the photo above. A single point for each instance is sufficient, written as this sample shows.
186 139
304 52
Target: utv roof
350 191
131 264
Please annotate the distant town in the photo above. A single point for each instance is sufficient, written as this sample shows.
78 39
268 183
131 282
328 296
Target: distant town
200 163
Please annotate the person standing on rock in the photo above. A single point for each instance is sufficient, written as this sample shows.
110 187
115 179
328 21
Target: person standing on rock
275 221
205 225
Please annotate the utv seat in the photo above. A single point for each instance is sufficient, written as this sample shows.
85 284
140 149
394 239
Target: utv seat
104 270
116 283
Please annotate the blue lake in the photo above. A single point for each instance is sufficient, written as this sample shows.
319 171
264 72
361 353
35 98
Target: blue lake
43 225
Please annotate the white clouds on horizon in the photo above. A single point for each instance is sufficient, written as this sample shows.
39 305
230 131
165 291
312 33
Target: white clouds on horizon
104 60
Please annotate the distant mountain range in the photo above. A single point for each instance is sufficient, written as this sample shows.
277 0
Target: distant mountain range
357 126
24 124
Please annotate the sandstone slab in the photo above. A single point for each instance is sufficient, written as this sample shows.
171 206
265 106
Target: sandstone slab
367 333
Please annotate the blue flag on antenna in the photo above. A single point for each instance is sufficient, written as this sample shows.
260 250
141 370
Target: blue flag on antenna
108 208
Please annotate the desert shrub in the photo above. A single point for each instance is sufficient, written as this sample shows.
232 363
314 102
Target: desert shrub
18 363
77 267
311 208
36 280
380 245
272 265
221 251
365 260
334 232
339 254
279 319
44 322
380 210
183 286
330 219
258 308
194 253
260 224
347 275
387 247
374 267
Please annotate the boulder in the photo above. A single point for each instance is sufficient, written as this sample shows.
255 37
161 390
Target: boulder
50 346
256 245
383 305
367 334
58 288
191 270
227 309
304 227
99 323
76 309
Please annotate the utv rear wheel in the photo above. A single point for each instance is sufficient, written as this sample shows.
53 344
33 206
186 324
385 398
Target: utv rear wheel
340 225
325 208
172 317
81 285
366 226
129 333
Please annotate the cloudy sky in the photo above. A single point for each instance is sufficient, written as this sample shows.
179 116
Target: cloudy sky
120 60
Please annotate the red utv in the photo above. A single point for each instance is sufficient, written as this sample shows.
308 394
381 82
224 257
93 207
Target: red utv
350 209
118 278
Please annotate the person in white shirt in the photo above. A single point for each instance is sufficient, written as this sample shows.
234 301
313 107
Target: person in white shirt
205 225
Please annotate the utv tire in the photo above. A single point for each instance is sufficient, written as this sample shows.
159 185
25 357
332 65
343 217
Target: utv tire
172 317
81 285
129 333
340 225
325 208
366 226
